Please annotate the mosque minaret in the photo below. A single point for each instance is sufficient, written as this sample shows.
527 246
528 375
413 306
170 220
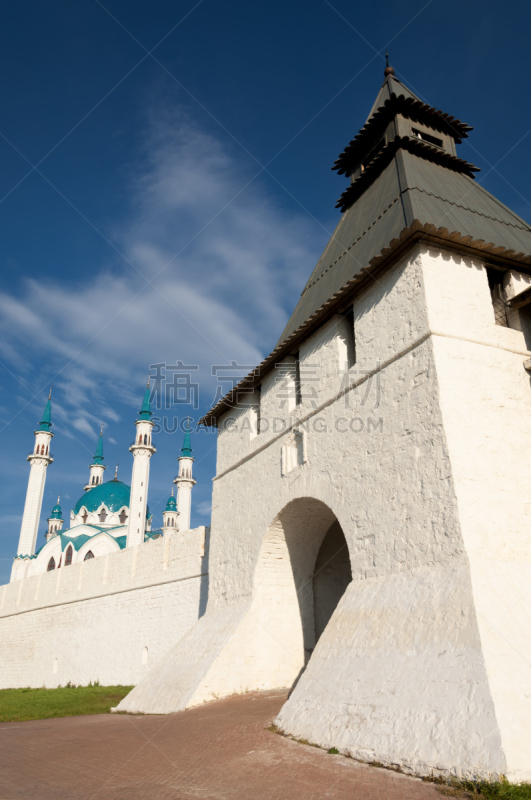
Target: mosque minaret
39 460
142 450
185 483
97 468
170 516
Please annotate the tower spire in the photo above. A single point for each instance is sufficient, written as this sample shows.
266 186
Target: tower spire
40 459
170 521
142 450
97 468
186 449
145 411
55 521
98 455
185 481
46 420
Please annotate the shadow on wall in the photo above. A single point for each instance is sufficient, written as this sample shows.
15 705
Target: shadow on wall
203 590
331 577
302 573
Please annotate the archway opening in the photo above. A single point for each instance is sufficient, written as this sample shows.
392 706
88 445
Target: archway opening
332 575
302 572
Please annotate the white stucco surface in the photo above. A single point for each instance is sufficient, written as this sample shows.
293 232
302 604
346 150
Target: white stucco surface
424 462
109 619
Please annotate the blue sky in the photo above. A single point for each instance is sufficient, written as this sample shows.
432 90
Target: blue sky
165 191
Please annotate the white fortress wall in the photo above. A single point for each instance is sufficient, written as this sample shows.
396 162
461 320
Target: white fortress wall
108 619
398 675
486 407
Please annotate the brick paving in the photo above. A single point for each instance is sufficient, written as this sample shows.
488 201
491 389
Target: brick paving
218 751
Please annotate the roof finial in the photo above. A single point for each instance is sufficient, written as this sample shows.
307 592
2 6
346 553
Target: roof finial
50 392
58 498
116 473
101 430
172 491
388 70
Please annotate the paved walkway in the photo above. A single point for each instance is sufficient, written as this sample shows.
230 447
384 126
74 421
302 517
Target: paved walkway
219 751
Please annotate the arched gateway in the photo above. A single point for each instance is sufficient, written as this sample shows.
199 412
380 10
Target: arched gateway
301 574
264 637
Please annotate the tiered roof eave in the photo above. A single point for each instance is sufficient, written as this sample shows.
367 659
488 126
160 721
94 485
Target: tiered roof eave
410 107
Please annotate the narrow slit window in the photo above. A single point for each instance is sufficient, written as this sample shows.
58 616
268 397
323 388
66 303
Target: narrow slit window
350 335
298 391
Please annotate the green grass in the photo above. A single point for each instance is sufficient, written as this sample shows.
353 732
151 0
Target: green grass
17 705
489 791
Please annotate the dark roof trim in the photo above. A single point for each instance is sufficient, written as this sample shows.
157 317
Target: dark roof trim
410 108
386 154
415 232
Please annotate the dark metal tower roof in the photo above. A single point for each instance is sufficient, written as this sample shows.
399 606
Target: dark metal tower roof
405 191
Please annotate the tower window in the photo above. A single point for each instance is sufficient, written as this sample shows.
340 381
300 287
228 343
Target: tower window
88 555
122 517
84 517
51 564
68 555
426 137
495 278
298 391
350 340
102 515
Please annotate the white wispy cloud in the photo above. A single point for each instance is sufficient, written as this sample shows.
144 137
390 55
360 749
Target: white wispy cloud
225 266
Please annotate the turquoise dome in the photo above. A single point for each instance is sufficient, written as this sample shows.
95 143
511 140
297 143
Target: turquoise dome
56 511
171 505
114 494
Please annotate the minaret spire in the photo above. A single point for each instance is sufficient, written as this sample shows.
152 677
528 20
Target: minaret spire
170 521
39 461
97 468
142 450
185 481
55 521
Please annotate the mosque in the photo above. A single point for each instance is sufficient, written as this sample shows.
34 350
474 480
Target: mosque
104 519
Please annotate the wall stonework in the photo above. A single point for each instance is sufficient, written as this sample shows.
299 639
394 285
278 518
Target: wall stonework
424 462
108 619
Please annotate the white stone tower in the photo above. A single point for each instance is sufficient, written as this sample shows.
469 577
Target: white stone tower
97 468
185 483
170 516
39 460
55 521
142 450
